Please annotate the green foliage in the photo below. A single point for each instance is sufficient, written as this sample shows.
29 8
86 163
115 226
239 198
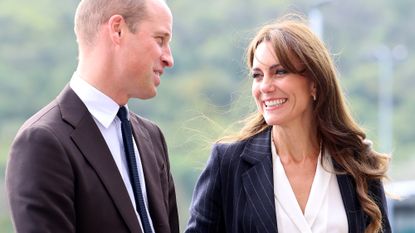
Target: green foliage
208 90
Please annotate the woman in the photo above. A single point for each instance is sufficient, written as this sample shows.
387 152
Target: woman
301 163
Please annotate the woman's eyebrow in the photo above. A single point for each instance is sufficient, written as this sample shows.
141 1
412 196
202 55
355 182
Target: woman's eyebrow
275 66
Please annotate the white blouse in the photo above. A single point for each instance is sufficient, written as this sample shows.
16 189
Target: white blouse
324 211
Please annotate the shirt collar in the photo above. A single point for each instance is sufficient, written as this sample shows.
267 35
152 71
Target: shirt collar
102 107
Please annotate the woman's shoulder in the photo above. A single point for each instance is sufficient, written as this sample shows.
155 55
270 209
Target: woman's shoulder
229 148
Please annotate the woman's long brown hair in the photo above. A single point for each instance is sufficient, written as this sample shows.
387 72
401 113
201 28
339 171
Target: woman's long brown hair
340 134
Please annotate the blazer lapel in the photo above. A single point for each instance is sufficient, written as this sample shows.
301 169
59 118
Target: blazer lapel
152 173
351 204
258 182
89 140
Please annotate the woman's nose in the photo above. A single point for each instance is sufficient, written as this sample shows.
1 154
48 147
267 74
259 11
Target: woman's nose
267 84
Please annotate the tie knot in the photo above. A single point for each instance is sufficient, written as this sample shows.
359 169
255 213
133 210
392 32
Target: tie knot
122 113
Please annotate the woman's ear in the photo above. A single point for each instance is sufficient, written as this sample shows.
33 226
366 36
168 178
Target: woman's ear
313 91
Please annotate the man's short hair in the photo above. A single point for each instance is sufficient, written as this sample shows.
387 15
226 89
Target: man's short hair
91 14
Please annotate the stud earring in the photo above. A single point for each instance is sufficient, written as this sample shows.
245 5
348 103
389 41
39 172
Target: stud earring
314 97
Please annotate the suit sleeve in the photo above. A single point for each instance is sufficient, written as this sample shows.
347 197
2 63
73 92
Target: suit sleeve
39 183
206 211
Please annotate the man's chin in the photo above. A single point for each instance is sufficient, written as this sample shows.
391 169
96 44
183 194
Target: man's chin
149 95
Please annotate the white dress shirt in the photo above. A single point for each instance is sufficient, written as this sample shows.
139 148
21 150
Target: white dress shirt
104 112
324 211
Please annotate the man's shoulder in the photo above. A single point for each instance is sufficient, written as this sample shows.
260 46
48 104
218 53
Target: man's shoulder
147 123
51 112
45 116
42 127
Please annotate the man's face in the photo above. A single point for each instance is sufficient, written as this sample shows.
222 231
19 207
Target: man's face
147 52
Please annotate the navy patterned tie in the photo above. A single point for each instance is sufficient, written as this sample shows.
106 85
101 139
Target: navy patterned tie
127 138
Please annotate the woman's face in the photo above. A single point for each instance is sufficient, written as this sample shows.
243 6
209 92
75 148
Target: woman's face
283 98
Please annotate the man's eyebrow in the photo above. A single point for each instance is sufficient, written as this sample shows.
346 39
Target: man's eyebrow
164 34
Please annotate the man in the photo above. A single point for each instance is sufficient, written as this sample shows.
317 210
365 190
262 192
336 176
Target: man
68 170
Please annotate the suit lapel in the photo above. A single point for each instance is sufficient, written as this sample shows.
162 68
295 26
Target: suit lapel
90 142
258 182
152 173
351 204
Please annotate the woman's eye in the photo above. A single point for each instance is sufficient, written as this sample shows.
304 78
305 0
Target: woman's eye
281 71
256 75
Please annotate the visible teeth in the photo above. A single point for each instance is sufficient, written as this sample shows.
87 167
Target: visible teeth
273 103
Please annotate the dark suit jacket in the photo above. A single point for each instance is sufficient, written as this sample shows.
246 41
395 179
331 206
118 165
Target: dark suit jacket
235 193
61 176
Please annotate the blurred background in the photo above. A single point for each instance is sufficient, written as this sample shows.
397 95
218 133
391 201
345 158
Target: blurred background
208 90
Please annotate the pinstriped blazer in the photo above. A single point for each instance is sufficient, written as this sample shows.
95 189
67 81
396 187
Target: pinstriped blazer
235 194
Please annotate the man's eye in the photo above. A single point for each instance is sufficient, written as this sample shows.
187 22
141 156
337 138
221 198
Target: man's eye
160 40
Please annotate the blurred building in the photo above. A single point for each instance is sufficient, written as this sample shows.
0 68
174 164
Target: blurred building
401 206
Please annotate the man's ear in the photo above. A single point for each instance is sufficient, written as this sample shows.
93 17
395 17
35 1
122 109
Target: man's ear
116 28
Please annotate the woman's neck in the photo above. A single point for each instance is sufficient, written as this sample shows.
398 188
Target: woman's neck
296 145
